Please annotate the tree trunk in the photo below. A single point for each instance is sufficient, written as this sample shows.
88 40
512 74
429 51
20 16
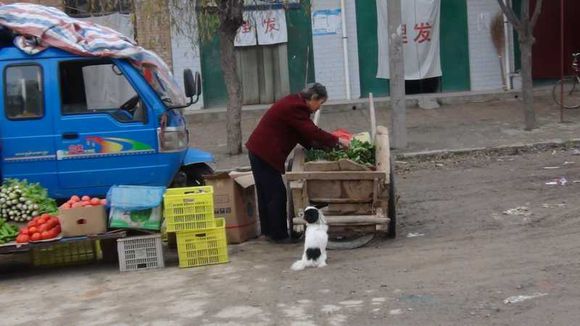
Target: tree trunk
234 89
230 16
527 83
526 34
397 78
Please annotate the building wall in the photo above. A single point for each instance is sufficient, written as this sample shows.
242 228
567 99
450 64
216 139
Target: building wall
153 27
329 55
52 3
185 52
483 61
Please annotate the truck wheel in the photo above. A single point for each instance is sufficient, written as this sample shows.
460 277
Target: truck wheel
392 209
195 174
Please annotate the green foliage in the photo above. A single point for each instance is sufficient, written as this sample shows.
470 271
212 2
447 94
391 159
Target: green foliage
359 152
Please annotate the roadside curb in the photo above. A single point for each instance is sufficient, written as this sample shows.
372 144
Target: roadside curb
512 149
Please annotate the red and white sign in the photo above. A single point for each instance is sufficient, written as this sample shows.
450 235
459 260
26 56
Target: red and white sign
420 33
263 27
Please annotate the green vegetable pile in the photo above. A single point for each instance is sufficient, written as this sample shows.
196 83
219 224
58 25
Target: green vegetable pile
20 200
359 152
8 232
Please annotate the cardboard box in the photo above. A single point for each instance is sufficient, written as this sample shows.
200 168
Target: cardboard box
81 221
235 200
146 219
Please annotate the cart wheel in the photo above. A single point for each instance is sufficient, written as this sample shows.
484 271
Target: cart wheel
392 209
350 243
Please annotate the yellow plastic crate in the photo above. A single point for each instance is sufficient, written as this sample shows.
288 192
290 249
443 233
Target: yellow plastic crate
203 247
67 253
187 209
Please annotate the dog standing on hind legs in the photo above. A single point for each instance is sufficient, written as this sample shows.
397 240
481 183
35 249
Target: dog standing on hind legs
315 240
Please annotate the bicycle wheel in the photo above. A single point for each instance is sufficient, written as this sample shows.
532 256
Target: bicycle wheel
571 92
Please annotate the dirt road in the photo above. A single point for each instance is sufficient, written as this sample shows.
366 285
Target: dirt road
466 258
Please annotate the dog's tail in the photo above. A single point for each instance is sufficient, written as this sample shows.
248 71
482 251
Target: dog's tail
299 265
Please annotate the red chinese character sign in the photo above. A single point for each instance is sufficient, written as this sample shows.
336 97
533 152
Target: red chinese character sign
271 26
420 33
247 33
262 27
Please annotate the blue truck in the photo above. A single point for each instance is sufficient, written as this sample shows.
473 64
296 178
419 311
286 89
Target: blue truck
78 125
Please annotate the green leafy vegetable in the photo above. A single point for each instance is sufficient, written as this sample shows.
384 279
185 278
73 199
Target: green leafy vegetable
359 151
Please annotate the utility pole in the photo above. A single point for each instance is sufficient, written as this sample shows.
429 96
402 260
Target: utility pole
397 76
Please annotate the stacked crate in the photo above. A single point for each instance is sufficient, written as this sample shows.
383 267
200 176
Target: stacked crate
201 238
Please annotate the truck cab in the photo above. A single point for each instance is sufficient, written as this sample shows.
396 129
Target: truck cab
78 125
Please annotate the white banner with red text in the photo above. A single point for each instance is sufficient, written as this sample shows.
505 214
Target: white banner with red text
420 33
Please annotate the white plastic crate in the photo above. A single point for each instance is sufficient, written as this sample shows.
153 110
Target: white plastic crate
139 253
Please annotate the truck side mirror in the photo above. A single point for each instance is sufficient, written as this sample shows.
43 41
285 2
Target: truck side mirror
189 83
197 83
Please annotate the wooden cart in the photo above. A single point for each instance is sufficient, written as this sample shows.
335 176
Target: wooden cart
358 202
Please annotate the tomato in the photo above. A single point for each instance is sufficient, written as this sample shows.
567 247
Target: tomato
44 215
36 237
52 233
85 198
75 199
57 230
51 224
32 230
77 204
95 201
44 227
31 223
45 235
41 221
23 238
103 202
23 231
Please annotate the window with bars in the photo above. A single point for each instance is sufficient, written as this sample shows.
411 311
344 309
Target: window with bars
86 8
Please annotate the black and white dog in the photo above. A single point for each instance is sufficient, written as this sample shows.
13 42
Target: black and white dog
315 240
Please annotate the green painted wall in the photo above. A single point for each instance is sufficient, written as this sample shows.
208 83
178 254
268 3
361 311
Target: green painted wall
454 47
214 87
299 43
366 25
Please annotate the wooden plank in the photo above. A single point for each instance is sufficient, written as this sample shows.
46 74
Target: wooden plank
349 165
321 166
298 159
339 200
373 116
338 175
349 219
383 152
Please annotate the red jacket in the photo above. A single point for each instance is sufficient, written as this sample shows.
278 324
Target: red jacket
284 125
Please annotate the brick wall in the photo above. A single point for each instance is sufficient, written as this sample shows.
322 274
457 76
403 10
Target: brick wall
153 27
52 3
329 57
483 60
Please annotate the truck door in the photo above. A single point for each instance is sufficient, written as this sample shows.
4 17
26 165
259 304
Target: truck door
26 130
105 134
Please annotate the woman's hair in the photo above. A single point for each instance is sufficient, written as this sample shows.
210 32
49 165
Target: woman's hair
314 91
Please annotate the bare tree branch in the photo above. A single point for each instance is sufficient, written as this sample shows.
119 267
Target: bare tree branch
536 14
510 14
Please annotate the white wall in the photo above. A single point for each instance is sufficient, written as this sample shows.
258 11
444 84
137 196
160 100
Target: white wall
329 57
185 54
483 61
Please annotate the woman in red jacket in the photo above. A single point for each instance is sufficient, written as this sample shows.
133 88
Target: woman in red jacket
284 125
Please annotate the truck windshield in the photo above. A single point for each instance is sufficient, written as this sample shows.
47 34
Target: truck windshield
164 85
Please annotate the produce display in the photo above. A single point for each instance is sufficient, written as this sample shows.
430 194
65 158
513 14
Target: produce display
43 227
359 151
84 201
8 232
21 200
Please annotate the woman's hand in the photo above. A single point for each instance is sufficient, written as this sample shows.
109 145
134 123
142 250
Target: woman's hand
344 143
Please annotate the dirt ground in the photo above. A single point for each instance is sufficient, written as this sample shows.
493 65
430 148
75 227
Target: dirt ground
457 259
